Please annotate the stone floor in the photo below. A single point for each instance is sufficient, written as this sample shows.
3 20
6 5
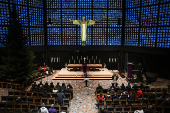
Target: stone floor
84 97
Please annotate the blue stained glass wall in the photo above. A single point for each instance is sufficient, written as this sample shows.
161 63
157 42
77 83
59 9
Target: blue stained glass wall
164 14
149 16
99 36
131 36
114 36
68 3
153 29
4 14
113 16
37 36
52 34
69 36
84 4
115 3
147 37
66 14
163 37
3 33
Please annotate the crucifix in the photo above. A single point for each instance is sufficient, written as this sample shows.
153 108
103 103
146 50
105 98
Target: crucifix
84 58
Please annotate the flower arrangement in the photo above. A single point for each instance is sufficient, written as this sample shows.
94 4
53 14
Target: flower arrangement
115 75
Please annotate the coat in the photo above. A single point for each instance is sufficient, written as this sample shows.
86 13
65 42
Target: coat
44 110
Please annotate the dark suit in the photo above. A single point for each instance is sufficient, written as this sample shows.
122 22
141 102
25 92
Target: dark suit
70 86
115 97
123 97
41 89
131 97
99 87
60 96
69 91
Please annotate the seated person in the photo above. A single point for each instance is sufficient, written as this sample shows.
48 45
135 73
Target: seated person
99 103
51 85
43 109
41 89
166 102
55 90
103 110
112 91
152 96
164 96
34 84
123 96
131 96
44 95
18 100
69 86
149 110
58 85
139 94
115 96
40 84
35 89
46 84
99 87
119 91
108 96
122 86
63 86
68 90
140 110
100 97
112 86
135 87
52 109
128 87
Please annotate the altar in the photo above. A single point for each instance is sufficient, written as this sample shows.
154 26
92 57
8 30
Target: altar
81 66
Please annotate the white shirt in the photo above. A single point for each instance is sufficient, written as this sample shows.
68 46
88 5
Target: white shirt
139 111
44 110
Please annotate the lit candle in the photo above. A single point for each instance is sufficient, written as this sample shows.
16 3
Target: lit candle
57 59
112 59
109 59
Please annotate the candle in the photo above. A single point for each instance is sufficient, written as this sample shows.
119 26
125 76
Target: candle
72 57
89 61
69 61
99 61
94 61
81 57
79 61
77 57
92 57
74 61
57 59
112 59
87 57
109 59
96 57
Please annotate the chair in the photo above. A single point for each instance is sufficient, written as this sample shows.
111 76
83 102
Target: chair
51 101
37 100
159 101
48 106
130 101
152 101
11 99
17 93
4 98
165 89
109 102
145 102
66 101
2 106
30 100
40 94
32 107
29 94
110 109
17 107
123 102
158 90
23 93
105 91
4 85
144 107
118 109
24 107
57 107
44 100
126 109
17 86
54 95
64 108
116 101
138 101
9 107
9 85
24 99
158 109
68 95
152 90
133 108
166 109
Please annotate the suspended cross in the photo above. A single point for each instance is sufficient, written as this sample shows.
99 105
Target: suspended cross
84 58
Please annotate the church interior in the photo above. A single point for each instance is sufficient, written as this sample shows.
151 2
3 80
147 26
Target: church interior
84 56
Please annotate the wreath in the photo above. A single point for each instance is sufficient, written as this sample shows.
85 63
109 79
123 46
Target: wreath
114 76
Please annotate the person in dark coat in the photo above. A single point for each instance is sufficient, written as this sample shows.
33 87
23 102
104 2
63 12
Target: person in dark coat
149 110
41 89
122 86
40 84
68 90
60 96
46 85
115 96
51 85
18 100
128 87
99 87
135 87
69 86
152 96
112 91
123 96
131 96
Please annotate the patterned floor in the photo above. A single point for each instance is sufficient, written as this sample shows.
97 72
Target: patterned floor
84 97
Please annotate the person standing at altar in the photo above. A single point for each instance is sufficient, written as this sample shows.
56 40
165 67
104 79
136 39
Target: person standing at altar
84 67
